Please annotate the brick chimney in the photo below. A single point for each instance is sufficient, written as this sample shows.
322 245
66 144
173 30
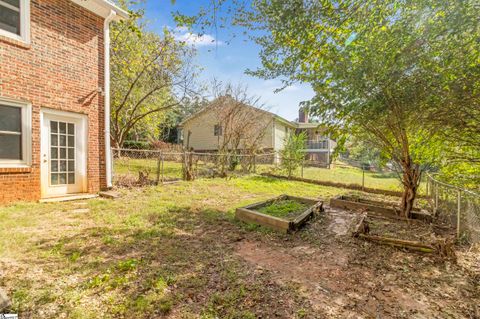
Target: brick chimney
302 115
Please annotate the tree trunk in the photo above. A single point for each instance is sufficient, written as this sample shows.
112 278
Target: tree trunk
411 179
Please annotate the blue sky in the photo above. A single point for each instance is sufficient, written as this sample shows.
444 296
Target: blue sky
228 62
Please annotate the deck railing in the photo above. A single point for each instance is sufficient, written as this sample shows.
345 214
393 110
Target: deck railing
317 145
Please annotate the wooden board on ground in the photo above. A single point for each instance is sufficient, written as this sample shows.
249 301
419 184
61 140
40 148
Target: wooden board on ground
440 246
385 209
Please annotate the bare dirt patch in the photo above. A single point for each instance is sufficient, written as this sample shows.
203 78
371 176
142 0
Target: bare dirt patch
346 278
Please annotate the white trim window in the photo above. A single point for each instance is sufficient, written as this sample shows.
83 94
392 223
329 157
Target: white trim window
15 19
15 134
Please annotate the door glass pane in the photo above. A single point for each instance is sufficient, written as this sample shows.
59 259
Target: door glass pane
63 153
54 139
54 179
71 141
63 140
71 129
71 178
62 127
63 166
54 165
10 146
10 20
10 118
53 127
53 152
62 178
71 166
71 153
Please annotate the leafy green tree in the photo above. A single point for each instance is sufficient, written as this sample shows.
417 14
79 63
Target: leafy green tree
377 68
359 150
150 74
293 153
402 73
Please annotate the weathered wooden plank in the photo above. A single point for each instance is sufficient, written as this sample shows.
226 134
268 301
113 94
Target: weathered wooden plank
412 245
343 202
247 215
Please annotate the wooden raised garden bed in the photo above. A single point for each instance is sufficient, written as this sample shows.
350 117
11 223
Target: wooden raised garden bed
284 213
417 237
386 209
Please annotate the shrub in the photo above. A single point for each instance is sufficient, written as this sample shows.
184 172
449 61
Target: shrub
137 145
293 153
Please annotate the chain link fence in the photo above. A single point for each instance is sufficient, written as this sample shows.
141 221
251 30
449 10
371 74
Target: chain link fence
149 167
351 173
132 167
455 206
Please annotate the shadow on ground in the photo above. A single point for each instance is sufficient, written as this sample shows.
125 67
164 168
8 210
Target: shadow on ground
184 262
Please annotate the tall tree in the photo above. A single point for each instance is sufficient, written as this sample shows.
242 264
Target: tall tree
150 74
242 124
403 73
377 67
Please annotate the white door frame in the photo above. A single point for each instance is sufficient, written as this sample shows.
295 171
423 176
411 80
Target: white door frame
81 148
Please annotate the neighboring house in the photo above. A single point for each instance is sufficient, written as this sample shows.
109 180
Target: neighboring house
320 146
203 131
54 97
206 130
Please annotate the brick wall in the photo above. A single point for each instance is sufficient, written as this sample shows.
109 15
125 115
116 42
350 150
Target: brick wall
62 69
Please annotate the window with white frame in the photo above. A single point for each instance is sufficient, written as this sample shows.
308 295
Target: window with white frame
15 19
15 135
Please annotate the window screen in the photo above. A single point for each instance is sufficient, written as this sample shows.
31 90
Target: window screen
10 132
10 16
217 130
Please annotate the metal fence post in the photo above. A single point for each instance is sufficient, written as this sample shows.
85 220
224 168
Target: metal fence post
363 177
163 169
426 185
303 163
459 200
158 170
435 205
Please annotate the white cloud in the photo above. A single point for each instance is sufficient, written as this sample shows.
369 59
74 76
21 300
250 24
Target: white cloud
180 29
197 40
291 88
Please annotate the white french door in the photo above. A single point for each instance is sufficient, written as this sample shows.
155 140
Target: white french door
63 153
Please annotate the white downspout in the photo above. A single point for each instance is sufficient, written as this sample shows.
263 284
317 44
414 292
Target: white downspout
106 42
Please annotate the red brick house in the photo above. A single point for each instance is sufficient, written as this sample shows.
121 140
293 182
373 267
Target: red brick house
54 97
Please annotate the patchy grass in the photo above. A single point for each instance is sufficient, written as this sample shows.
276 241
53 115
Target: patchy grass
341 173
173 251
347 175
285 208
127 166
156 250
344 174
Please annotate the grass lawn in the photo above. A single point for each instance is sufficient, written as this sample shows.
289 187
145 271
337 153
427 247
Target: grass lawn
284 208
339 174
127 166
157 250
176 251
346 175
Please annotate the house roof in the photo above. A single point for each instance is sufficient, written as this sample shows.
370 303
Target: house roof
275 116
307 125
103 8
